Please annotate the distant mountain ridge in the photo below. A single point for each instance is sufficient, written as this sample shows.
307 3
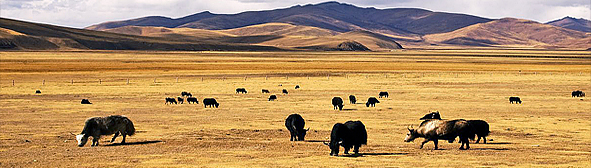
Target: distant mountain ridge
581 24
335 16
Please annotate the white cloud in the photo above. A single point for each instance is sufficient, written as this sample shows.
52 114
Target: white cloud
82 13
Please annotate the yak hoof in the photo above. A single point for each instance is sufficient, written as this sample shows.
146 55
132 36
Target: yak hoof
462 148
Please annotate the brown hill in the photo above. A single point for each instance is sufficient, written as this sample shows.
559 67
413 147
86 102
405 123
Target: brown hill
25 35
572 23
285 29
510 32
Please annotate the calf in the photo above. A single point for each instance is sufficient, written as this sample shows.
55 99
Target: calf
337 102
383 94
352 99
192 99
170 100
433 130
514 99
295 124
85 101
352 134
272 98
97 126
284 91
241 90
371 101
265 91
297 86
210 102
432 115
180 99
186 94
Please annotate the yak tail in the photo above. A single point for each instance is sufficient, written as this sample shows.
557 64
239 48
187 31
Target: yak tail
129 128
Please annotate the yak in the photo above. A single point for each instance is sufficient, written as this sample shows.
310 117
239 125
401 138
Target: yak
180 99
85 101
337 102
265 91
37 91
284 91
295 124
383 94
352 99
434 130
186 94
272 97
371 101
578 93
170 100
210 102
192 99
432 115
241 90
97 126
352 134
297 86
514 99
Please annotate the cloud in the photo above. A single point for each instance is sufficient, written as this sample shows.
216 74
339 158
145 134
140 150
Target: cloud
82 13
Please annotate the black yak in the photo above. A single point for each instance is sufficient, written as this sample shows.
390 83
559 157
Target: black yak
371 101
383 94
265 91
272 98
432 115
578 93
192 99
352 134
433 130
180 99
337 102
352 99
295 124
170 100
210 102
85 101
241 90
186 94
284 91
480 128
514 99
97 126
37 91
297 86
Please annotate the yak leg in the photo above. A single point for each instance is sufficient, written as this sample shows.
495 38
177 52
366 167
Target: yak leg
356 149
347 150
95 141
483 138
465 141
477 140
293 136
124 135
424 142
114 137
436 141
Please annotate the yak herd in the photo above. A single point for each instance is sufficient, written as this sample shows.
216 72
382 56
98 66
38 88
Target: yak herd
351 134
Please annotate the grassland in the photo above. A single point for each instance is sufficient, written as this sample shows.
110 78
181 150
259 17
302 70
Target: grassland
550 129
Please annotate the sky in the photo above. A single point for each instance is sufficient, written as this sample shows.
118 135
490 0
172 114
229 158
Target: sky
83 13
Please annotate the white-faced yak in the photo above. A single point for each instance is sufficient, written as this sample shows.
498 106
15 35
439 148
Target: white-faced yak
97 126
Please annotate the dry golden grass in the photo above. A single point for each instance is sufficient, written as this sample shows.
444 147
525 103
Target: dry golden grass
550 129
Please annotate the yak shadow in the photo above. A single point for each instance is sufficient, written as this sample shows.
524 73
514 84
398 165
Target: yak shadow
134 143
315 141
496 149
373 154
495 143
349 109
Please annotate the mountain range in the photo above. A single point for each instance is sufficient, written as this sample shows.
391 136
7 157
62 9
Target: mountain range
323 26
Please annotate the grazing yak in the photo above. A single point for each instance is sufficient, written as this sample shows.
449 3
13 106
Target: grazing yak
352 134
186 94
241 90
272 97
170 100
383 94
295 124
297 86
337 102
97 126
210 102
192 99
352 99
284 91
433 130
514 99
578 93
265 91
37 91
432 115
477 127
371 101
85 101
180 99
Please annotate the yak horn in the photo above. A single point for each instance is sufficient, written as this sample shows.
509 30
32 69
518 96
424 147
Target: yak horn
72 133
325 143
308 129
